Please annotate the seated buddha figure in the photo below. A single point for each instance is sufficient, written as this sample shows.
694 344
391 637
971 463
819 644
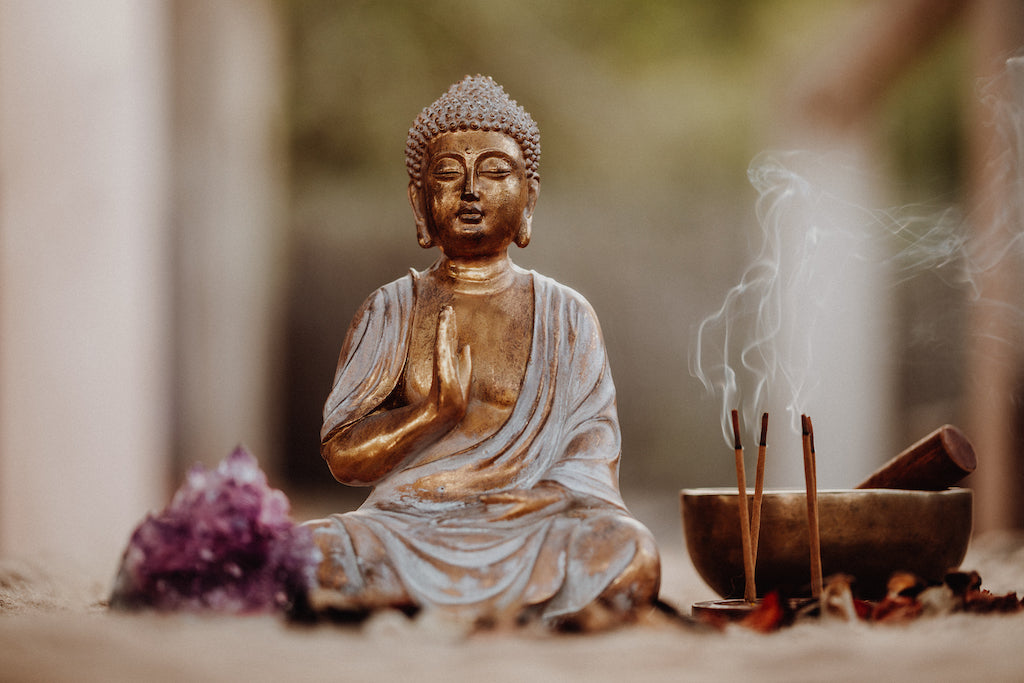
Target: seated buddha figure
475 398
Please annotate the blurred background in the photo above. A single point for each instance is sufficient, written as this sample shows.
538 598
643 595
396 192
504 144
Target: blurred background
195 196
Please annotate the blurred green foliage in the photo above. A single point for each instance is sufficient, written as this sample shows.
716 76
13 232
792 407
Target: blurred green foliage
679 87
922 122
676 86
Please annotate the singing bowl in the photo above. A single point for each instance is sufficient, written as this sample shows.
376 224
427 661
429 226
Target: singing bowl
866 533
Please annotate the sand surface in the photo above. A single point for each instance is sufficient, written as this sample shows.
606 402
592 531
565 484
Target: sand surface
53 627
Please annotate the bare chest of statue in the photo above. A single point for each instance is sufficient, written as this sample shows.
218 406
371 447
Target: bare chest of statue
496 324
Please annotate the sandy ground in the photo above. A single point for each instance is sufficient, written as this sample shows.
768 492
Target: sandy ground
54 628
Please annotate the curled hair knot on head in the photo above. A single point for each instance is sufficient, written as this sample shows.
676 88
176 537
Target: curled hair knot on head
474 103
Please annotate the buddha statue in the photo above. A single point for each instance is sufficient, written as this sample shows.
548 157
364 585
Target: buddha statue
476 399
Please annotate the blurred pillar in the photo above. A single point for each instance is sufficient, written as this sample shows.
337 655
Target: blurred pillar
229 198
827 112
84 284
995 366
842 317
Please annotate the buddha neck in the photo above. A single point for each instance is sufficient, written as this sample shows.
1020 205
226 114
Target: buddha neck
483 276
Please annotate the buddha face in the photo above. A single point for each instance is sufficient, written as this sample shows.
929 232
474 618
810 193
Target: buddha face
475 198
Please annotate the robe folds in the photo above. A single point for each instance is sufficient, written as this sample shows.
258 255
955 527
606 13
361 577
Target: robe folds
424 536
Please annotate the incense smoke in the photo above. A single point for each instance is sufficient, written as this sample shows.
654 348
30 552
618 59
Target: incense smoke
757 344
758 341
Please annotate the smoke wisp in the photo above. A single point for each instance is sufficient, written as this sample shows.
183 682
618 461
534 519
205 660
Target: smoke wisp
758 343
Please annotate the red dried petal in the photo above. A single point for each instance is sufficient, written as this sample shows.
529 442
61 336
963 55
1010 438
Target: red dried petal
771 614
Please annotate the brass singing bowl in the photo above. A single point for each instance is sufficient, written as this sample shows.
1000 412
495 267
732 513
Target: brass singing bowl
866 533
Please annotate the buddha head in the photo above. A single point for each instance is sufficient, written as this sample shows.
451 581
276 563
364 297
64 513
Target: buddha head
472 158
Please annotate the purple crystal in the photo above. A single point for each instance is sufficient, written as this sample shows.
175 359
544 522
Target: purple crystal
225 543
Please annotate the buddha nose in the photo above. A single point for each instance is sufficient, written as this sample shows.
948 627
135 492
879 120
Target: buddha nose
469 187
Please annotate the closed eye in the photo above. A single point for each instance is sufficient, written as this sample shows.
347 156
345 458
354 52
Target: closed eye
494 167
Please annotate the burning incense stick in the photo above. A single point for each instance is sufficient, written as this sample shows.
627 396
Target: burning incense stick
755 522
816 579
749 591
814 457
811 481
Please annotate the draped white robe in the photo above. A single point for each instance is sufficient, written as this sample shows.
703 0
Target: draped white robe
408 541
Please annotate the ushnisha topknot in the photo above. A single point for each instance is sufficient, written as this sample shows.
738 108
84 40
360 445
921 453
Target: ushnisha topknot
474 103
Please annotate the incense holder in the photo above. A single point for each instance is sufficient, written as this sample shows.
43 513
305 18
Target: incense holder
865 533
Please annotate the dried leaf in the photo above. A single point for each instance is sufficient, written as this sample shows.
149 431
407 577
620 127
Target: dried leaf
771 614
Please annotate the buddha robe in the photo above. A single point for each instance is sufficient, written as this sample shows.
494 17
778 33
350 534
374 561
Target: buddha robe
424 536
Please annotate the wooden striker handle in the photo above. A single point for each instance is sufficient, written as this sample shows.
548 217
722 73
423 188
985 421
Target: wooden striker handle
936 462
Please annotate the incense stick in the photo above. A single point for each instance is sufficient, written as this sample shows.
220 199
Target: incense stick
811 482
816 578
755 522
749 590
814 457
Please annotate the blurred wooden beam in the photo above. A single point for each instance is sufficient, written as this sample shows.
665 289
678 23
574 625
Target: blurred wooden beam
995 366
844 87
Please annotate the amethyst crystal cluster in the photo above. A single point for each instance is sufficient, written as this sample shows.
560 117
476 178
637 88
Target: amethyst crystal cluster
225 543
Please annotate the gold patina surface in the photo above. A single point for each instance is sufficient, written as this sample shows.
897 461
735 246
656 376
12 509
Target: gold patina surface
476 398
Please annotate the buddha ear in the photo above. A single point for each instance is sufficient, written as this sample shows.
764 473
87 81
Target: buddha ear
419 212
526 225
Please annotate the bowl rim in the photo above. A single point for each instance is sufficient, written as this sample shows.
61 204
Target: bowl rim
731 491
